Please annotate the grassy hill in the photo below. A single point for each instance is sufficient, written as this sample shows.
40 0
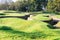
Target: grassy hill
20 29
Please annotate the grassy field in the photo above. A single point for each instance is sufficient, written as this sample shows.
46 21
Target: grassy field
20 29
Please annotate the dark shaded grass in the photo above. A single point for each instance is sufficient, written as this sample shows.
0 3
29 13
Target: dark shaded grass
51 26
5 28
32 35
22 17
57 39
2 14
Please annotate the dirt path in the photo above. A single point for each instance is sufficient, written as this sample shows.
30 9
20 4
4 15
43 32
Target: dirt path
54 17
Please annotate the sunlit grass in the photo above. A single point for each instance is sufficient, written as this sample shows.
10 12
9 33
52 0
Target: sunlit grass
41 17
20 29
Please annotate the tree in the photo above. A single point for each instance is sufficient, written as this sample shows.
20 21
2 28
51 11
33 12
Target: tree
26 5
30 5
54 5
4 5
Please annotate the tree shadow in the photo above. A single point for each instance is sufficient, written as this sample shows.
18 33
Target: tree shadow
57 39
32 35
22 17
2 14
5 28
46 16
51 26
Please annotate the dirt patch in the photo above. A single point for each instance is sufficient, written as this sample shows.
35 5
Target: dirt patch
57 25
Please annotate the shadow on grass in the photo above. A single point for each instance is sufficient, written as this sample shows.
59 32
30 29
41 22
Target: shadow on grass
5 28
2 14
32 35
51 26
22 17
57 39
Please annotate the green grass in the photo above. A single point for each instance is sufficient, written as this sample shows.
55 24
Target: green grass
12 13
20 29
42 17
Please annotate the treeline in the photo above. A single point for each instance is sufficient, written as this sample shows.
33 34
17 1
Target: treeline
53 5
29 5
32 5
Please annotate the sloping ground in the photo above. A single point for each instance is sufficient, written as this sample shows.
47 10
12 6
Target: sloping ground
20 24
11 13
12 29
19 29
41 17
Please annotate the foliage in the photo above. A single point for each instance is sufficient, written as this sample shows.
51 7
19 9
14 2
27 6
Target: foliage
54 5
29 5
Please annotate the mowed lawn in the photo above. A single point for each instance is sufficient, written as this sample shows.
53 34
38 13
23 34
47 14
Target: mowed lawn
20 29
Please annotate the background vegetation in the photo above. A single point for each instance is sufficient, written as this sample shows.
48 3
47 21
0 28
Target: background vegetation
29 5
14 28
32 5
20 29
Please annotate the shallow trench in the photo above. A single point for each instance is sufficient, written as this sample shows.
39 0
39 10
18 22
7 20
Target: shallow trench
22 17
51 23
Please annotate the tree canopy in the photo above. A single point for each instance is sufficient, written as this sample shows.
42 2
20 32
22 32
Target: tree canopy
32 5
53 5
